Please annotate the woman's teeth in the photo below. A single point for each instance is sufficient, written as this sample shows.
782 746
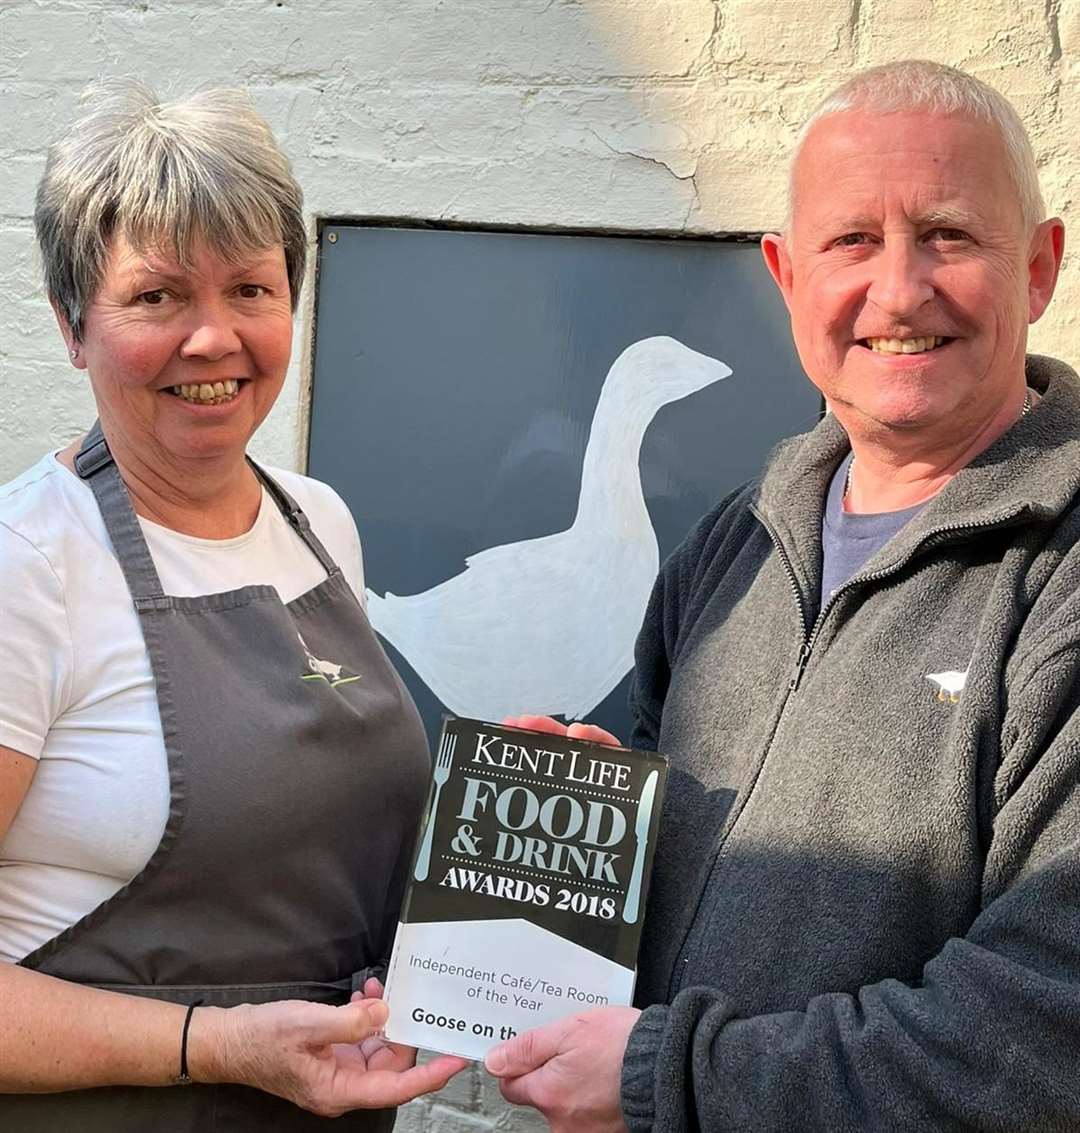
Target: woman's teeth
208 393
904 345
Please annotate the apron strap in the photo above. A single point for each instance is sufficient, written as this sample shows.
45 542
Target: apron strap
94 464
295 517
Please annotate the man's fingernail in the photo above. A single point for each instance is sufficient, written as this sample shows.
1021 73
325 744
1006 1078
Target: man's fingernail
495 1062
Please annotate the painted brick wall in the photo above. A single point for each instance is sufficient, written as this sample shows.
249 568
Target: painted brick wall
671 115
659 115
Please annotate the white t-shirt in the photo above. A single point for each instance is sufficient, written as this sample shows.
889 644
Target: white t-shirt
76 688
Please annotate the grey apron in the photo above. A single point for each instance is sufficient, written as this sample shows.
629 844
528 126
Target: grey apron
298 769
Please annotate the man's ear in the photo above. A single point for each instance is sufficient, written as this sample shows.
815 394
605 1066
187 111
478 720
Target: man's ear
778 261
1044 262
74 347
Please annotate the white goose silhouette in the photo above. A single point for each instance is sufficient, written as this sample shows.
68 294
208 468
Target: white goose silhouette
548 625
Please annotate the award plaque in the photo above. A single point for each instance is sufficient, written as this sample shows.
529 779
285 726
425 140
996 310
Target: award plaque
527 887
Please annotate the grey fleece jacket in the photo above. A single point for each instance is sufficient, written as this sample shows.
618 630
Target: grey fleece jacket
865 911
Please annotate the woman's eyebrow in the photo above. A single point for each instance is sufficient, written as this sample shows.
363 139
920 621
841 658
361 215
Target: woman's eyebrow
256 263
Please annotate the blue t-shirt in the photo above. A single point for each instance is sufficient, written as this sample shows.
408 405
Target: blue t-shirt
849 540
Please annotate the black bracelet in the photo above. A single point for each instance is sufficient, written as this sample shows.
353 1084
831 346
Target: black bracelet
184 1078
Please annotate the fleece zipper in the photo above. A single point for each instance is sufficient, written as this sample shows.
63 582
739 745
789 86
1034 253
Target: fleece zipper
934 538
811 632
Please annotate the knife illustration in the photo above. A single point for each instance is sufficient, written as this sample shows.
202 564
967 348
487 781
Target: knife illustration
641 833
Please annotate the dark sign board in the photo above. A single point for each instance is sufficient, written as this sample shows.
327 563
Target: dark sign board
524 425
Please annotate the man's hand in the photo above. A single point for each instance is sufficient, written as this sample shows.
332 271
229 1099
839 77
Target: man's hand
591 733
569 1070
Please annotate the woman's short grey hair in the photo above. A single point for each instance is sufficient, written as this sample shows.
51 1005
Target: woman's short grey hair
918 84
165 175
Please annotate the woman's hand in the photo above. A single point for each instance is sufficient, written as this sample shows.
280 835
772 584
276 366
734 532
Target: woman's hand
591 733
329 1060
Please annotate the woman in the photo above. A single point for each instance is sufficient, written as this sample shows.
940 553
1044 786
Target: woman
209 773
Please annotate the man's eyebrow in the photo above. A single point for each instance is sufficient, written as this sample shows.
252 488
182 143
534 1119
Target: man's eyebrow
843 222
946 217
942 215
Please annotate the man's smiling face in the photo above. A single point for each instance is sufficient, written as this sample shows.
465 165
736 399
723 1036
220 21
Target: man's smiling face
909 272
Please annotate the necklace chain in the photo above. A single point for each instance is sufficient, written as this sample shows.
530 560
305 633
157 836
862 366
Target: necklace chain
851 463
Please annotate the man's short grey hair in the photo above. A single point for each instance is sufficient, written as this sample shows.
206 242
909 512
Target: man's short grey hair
918 84
164 175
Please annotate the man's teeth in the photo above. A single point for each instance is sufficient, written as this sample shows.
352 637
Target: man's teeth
208 393
904 345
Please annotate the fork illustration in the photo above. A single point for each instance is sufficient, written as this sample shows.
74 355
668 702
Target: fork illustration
441 773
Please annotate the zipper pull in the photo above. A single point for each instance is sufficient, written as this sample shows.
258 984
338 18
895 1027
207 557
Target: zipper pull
800 666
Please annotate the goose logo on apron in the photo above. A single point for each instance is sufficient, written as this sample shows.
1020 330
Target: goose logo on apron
334 675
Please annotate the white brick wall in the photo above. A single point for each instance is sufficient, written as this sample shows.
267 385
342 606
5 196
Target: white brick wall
634 114
641 114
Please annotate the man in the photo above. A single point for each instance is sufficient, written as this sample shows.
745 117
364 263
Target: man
865 912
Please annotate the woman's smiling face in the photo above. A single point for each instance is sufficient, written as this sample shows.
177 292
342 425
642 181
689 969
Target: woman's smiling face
186 360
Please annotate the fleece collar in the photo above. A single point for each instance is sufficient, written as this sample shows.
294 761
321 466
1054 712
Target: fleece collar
1029 474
